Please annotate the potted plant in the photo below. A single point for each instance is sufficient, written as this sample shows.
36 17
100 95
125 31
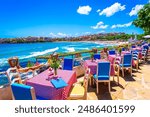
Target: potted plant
106 51
92 56
94 50
30 64
120 50
55 62
77 55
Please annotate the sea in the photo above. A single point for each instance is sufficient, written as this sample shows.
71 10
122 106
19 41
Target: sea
28 51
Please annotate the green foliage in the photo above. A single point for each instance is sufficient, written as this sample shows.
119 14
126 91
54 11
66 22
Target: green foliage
120 50
55 62
30 64
143 20
92 55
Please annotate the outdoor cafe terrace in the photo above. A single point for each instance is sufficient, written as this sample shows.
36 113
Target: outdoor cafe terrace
121 74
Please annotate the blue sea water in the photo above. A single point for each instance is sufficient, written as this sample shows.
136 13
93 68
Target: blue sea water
28 51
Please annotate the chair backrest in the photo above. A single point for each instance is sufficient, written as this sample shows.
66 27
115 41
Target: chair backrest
13 75
145 47
123 49
77 62
127 59
68 64
103 69
86 79
112 52
86 58
133 46
135 52
22 92
135 55
97 56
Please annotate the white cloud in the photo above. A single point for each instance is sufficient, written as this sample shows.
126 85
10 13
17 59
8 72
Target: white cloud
100 25
98 10
59 35
121 25
109 11
85 10
52 35
135 10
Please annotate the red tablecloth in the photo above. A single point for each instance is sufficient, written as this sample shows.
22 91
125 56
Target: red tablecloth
45 89
93 66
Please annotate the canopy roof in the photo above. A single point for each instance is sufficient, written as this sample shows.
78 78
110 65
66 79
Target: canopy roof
147 36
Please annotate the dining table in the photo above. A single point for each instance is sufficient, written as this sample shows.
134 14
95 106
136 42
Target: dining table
45 89
117 59
137 48
93 66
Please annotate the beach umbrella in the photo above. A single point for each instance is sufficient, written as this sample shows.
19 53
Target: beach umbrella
146 37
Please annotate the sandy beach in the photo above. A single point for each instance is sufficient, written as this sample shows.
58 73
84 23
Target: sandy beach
108 42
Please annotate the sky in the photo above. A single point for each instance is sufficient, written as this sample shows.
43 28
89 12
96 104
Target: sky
61 18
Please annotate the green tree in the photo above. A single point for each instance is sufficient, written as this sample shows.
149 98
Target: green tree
143 20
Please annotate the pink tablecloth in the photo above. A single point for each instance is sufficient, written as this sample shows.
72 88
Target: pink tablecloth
111 58
117 59
137 48
93 66
125 52
45 89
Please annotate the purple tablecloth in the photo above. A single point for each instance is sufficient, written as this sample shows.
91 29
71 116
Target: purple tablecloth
45 89
93 66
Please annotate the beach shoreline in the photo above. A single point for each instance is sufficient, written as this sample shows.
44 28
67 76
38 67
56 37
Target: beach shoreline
108 42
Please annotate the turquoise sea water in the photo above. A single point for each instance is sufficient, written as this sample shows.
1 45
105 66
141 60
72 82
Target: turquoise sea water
26 52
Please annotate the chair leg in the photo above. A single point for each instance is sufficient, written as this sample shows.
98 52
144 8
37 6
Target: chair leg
97 87
93 81
109 86
122 71
137 67
131 71
90 80
118 78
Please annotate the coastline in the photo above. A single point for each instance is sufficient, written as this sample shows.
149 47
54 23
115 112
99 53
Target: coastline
118 42
108 42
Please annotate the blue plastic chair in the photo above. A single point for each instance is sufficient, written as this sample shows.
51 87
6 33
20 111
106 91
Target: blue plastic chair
112 52
77 62
68 64
135 57
123 49
24 92
133 46
103 74
144 54
126 63
145 47
97 56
